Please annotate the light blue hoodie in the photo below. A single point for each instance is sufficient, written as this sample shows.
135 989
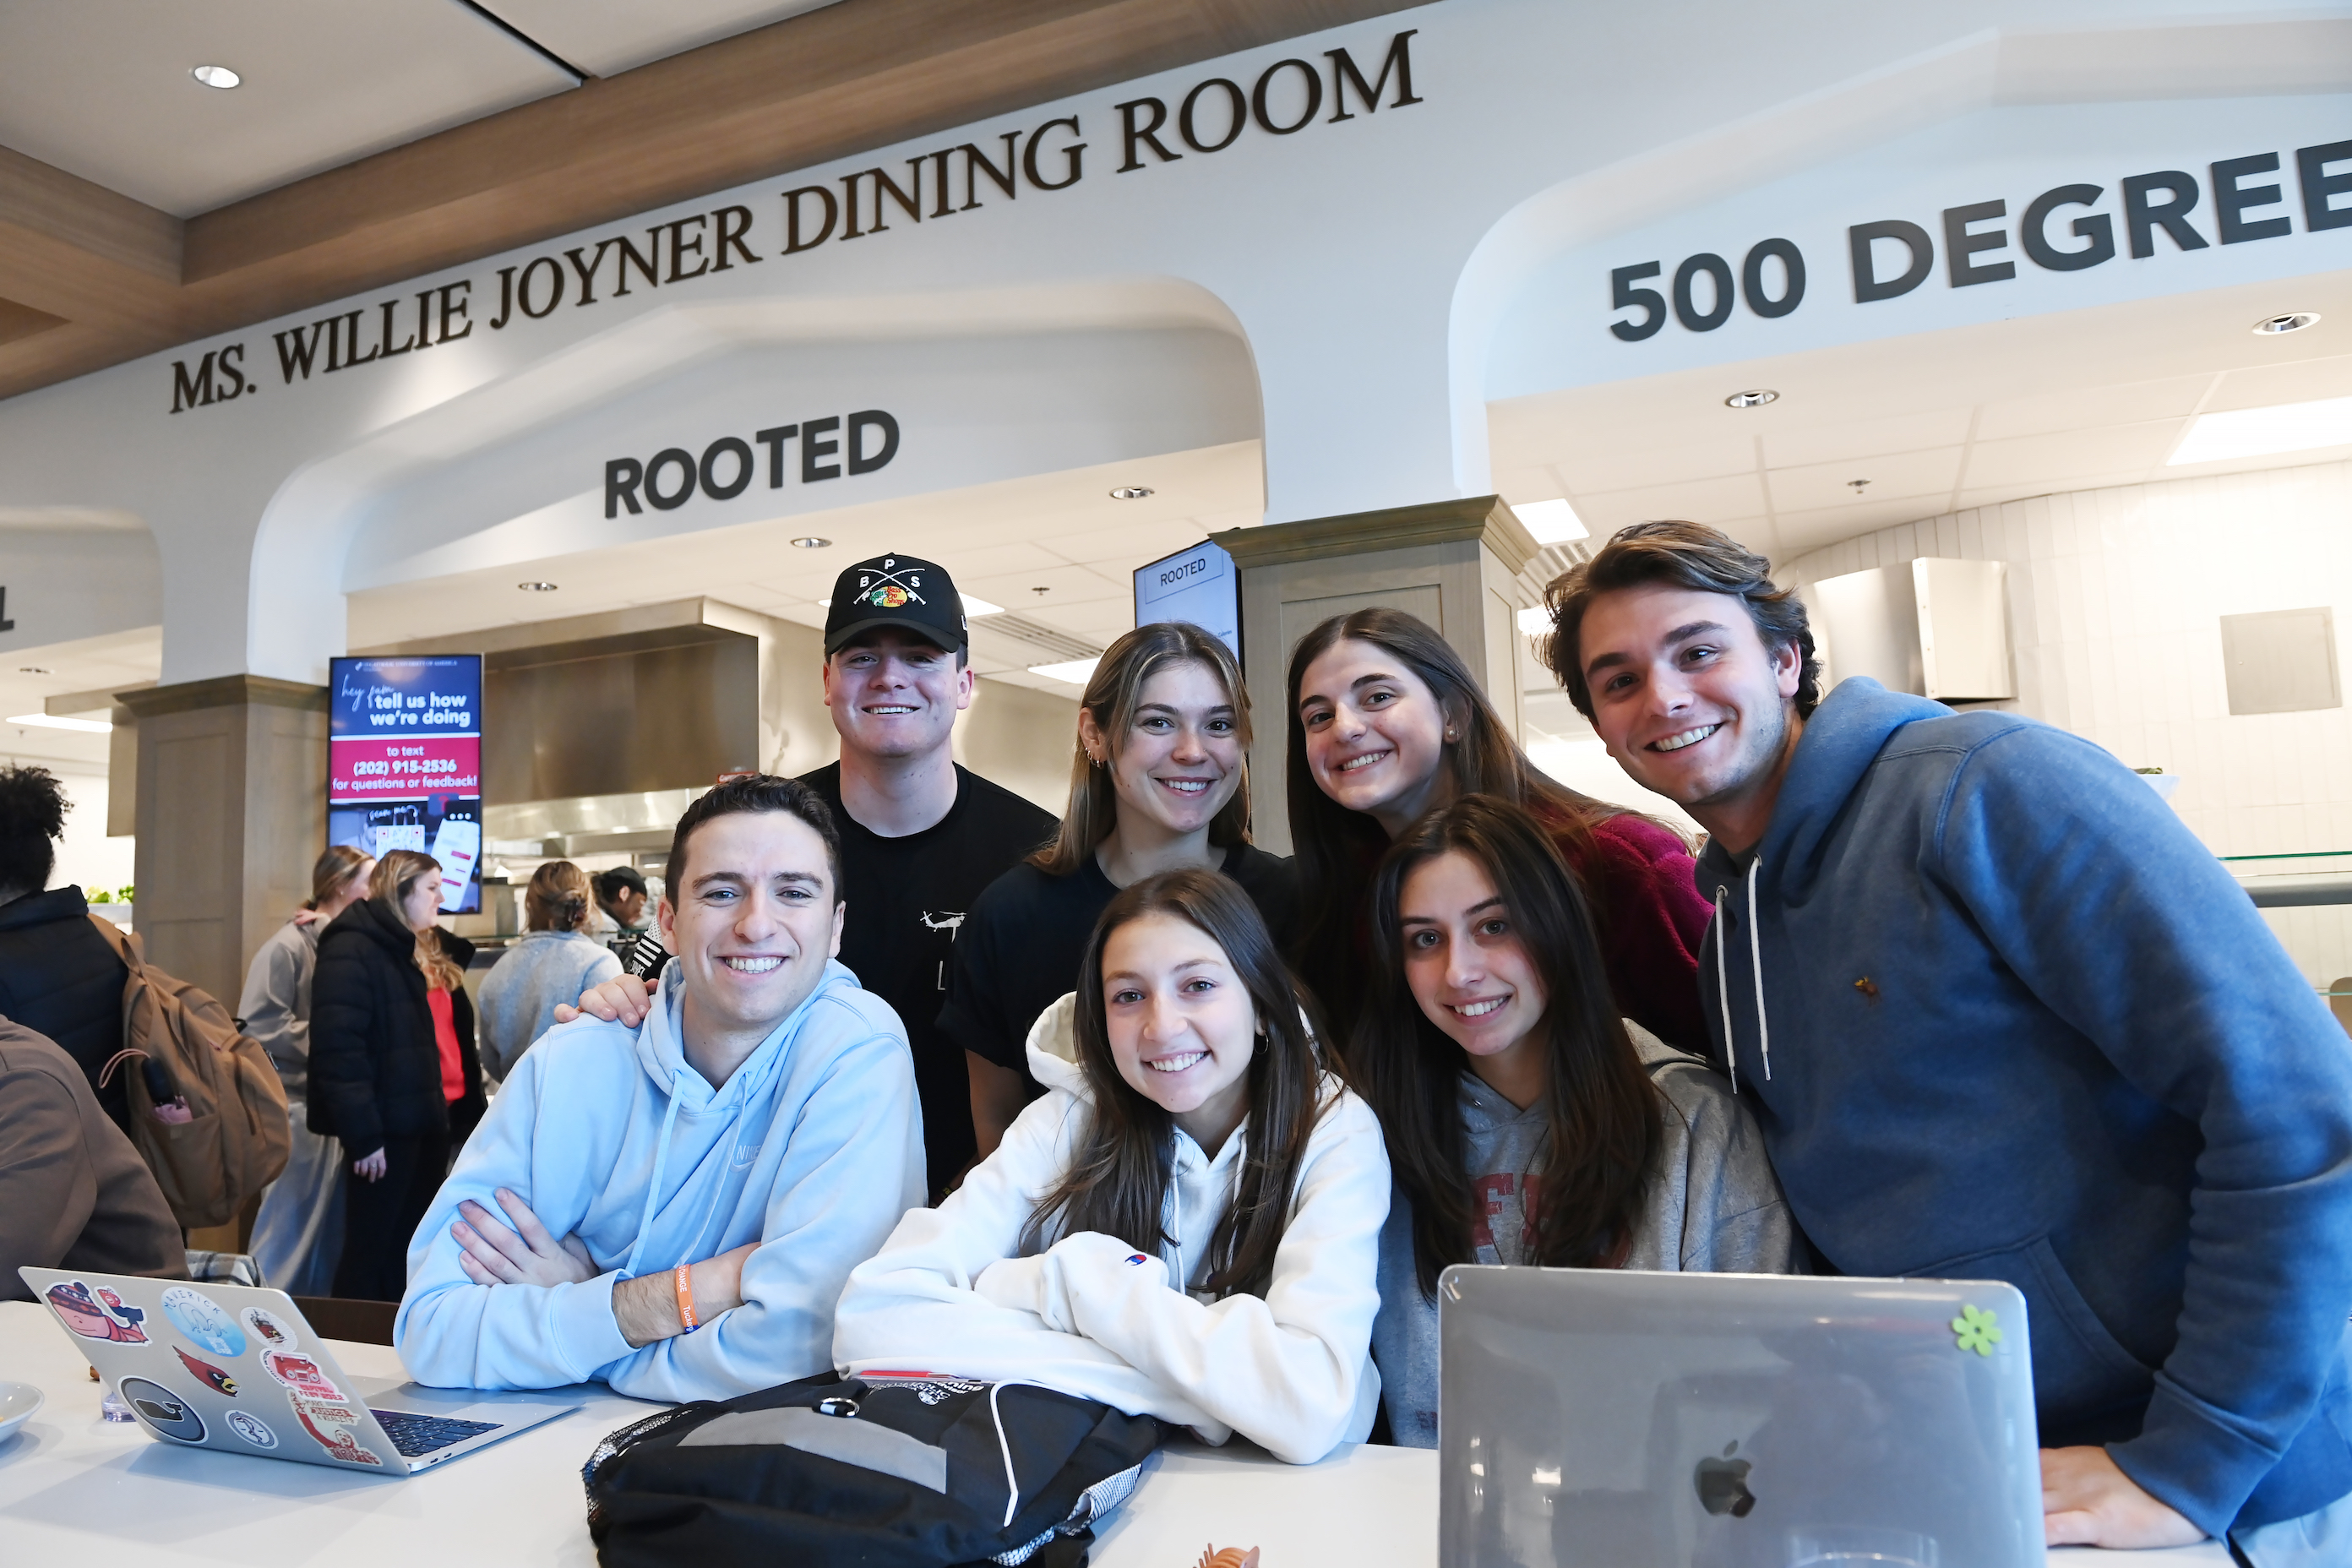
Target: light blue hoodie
813 1147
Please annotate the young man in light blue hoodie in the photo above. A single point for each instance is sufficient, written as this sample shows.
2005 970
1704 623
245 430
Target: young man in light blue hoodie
673 1208
2000 1015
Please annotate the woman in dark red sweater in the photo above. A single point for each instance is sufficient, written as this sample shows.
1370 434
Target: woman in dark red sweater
1387 723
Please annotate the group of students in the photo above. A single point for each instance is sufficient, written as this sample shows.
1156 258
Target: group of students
2028 1029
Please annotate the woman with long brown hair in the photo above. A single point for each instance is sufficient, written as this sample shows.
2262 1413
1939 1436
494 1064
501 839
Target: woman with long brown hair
1386 724
1159 779
392 1069
1527 1121
1187 1225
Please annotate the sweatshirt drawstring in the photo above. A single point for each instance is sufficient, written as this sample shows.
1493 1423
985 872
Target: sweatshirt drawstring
1756 968
1756 962
653 1193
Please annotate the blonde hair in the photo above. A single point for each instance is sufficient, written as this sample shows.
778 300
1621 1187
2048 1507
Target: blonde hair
395 878
557 897
333 872
1112 696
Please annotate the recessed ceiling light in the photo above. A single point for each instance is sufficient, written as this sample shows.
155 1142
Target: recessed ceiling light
33 670
2293 322
1041 591
220 77
1552 521
1077 671
43 721
1131 493
811 541
825 604
2259 432
1857 485
972 606
536 587
1535 620
1756 398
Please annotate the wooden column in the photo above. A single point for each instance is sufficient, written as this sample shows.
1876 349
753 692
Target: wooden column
232 812
1454 564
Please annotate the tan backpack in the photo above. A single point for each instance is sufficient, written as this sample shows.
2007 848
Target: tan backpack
222 1135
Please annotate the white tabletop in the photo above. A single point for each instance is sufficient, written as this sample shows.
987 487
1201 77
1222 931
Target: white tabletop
77 1488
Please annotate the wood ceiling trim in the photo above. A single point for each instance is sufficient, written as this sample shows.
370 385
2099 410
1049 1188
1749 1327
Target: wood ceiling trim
827 84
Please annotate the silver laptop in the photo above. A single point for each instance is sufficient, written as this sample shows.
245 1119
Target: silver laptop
1627 1420
229 1367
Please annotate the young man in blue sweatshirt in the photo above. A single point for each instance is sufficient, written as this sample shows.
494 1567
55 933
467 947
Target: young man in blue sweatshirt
673 1208
2000 1015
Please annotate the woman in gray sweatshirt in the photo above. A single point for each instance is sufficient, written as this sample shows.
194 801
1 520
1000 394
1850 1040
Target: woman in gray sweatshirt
1526 1121
554 961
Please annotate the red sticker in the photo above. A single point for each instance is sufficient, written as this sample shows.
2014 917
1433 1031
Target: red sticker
82 1310
301 1373
338 1442
207 1373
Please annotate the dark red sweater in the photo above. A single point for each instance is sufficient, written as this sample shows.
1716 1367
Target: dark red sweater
1645 900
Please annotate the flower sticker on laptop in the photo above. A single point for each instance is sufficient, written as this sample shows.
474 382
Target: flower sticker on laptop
1977 1330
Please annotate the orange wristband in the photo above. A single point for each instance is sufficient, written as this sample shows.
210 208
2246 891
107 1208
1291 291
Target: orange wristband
685 1299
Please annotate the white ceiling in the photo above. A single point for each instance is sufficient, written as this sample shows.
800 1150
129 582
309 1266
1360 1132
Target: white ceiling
605 37
100 88
1937 422
115 662
1061 533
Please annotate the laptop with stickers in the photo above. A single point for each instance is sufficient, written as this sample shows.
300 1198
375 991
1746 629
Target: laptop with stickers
238 1369
1594 1418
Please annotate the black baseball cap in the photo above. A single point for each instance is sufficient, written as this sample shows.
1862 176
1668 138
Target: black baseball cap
609 883
895 591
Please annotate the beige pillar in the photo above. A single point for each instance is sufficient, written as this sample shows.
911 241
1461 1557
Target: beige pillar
1454 564
232 812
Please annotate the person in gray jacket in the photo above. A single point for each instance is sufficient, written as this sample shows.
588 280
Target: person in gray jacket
299 1232
1526 1121
554 961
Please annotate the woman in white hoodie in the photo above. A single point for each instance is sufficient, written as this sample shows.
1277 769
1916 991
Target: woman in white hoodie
1187 1225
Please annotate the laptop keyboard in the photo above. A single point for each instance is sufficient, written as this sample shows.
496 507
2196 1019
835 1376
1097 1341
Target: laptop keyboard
416 1435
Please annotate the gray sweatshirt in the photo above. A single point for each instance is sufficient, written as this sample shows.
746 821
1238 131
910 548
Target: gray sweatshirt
276 1004
519 993
1713 1207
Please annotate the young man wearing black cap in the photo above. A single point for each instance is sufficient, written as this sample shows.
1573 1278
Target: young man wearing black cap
621 899
920 836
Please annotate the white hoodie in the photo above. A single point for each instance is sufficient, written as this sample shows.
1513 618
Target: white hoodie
1091 1317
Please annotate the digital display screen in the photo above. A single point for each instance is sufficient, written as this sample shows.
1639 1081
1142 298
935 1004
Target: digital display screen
405 765
1198 586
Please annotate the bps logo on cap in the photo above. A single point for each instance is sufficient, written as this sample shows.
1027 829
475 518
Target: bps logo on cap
895 589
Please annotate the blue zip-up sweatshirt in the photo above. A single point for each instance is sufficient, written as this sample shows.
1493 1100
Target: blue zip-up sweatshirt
813 1147
2018 1024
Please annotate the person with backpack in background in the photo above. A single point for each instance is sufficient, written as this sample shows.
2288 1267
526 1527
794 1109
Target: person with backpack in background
623 923
388 1066
57 976
553 962
298 1233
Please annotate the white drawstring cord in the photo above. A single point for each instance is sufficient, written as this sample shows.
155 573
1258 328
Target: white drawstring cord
1722 993
1012 1485
1756 963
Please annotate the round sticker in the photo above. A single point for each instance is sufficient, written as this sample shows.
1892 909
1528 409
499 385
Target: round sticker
250 1428
202 1319
269 1328
164 1410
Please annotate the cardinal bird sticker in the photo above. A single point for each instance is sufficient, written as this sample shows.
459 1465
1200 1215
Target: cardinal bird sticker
208 1374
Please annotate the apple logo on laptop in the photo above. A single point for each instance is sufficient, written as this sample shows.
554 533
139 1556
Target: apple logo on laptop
1723 1485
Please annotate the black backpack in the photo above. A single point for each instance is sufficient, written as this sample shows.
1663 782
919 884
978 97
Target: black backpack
888 1470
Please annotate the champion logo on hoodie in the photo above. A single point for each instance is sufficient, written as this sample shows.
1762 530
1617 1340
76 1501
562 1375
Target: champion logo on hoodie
1135 1260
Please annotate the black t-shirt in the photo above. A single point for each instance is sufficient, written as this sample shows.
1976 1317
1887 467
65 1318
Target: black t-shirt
907 898
1020 949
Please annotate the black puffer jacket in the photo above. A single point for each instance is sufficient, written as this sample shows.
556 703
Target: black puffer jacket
375 1072
60 978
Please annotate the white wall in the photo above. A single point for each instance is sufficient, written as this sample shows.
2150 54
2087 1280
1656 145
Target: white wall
2115 600
87 857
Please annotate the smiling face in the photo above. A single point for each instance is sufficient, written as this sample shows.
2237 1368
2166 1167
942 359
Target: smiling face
752 928
1376 734
1180 759
893 695
1692 702
1464 964
1182 1027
